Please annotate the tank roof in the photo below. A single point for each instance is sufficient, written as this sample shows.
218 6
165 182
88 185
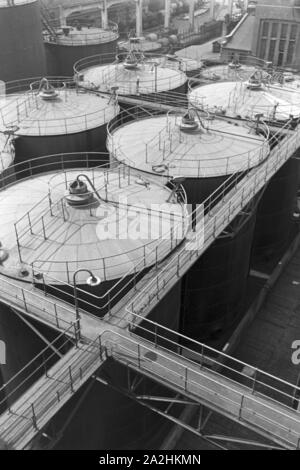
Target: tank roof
236 99
70 110
59 238
148 77
225 72
84 36
7 3
158 145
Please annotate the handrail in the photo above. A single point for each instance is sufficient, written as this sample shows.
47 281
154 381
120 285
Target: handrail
18 107
44 359
215 221
171 364
118 153
127 279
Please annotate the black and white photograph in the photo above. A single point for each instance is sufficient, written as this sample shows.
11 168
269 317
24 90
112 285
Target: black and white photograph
149 230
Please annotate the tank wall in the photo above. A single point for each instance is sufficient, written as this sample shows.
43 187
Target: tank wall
93 140
274 214
22 345
214 288
61 59
21 32
109 420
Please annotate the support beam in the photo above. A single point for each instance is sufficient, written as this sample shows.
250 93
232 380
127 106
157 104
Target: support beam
191 14
167 13
230 7
139 18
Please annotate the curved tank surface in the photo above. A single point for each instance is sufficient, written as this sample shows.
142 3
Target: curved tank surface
201 154
70 44
275 215
109 220
130 74
53 116
86 207
279 106
246 100
22 51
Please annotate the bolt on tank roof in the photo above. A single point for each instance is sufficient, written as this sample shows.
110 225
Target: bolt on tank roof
186 146
54 107
239 99
88 218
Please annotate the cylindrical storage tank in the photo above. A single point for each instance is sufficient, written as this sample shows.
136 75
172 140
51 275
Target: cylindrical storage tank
70 44
132 74
117 224
247 99
22 52
274 223
201 154
53 116
275 105
92 218
239 68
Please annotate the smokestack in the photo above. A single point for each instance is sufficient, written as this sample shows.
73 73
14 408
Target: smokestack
167 13
139 17
191 14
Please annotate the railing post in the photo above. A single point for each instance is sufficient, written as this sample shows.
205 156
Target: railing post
254 381
241 407
34 421
185 378
71 379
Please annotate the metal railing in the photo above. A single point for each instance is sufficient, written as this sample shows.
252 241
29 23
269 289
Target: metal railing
33 302
249 399
72 36
161 148
22 102
74 369
219 209
256 397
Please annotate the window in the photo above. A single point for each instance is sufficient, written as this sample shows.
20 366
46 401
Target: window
290 52
272 50
274 31
265 29
263 47
294 29
284 29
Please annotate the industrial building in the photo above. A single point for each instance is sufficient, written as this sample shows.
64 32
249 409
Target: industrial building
149 205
